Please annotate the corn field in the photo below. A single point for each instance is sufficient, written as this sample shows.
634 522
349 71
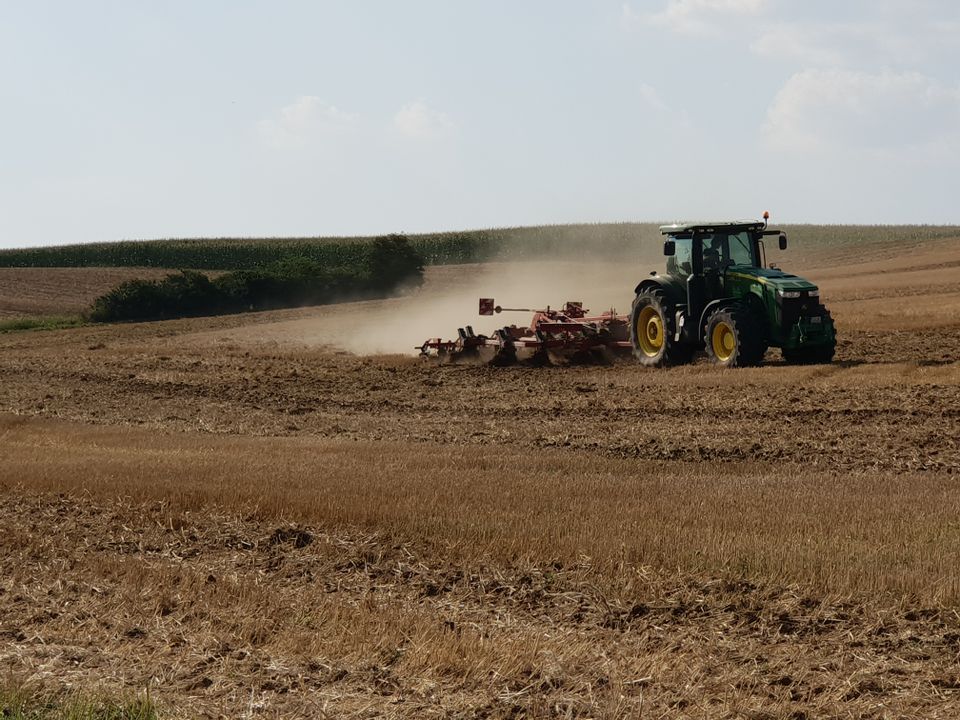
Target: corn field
620 241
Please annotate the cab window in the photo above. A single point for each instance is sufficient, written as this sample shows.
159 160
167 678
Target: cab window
680 263
712 252
741 249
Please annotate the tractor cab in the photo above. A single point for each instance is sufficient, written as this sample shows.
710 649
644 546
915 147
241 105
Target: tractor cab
717 245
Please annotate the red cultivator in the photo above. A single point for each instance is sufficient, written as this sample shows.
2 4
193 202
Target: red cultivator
553 335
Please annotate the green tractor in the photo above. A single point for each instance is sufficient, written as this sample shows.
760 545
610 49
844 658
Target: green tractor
717 295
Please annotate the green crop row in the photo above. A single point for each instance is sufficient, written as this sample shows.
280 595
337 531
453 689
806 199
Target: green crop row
24 702
212 254
610 241
50 322
343 252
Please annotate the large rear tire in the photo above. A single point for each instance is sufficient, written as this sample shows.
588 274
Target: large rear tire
652 331
734 338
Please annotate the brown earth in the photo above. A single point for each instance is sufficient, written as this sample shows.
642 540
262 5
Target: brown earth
556 542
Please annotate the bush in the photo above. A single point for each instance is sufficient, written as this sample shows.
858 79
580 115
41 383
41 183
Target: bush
130 300
393 261
185 294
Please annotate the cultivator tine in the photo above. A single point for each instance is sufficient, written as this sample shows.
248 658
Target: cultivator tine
506 353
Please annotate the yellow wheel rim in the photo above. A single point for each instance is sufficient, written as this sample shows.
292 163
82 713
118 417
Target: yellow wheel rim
650 331
723 340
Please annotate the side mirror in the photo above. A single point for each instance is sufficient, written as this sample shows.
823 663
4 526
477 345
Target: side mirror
783 241
669 248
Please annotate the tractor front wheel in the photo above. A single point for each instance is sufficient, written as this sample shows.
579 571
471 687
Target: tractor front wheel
652 331
733 338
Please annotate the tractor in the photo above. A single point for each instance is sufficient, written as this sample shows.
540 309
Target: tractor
718 295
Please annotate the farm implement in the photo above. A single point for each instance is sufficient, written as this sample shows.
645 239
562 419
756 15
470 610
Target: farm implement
717 295
553 336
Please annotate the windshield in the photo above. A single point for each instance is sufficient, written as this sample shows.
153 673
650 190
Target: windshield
741 249
722 250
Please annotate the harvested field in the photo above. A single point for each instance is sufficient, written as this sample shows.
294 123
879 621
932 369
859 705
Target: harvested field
254 521
223 613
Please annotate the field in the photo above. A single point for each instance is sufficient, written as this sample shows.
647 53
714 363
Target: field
287 514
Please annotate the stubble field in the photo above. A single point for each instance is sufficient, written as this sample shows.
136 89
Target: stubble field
283 515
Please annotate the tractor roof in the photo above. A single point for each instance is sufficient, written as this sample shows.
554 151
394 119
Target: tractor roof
711 225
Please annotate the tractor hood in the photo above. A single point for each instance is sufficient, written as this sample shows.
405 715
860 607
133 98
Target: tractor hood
772 278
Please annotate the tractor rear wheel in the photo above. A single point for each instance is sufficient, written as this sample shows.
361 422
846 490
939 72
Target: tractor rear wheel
652 331
816 355
734 338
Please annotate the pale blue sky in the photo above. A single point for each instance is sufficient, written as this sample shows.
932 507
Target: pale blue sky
134 119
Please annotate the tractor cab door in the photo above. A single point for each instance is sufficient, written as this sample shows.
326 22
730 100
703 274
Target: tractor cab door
714 246
680 264
727 251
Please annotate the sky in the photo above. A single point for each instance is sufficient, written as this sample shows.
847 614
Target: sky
189 118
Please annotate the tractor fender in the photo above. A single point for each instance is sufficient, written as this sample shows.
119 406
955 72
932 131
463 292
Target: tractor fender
676 291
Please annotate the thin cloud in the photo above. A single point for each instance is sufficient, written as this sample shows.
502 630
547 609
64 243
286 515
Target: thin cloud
629 17
865 43
304 121
699 17
651 98
806 43
885 113
417 120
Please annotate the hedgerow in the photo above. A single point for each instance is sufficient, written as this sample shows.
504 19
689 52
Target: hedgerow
388 264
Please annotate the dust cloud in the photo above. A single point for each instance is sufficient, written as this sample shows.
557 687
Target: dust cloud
448 299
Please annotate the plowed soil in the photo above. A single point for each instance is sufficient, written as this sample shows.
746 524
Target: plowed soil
799 562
